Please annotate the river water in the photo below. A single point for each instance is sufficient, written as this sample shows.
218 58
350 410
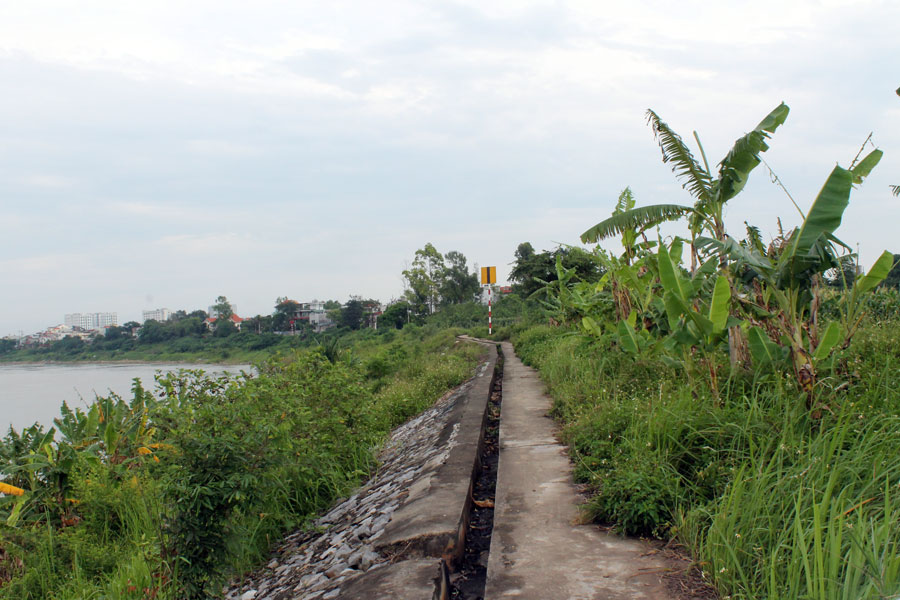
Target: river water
34 392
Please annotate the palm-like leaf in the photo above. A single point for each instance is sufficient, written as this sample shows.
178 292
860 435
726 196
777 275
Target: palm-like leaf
744 155
810 246
636 219
695 179
895 189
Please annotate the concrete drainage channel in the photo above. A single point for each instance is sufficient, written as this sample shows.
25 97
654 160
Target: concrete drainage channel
468 580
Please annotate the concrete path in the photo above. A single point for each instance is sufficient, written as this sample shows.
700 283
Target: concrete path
538 551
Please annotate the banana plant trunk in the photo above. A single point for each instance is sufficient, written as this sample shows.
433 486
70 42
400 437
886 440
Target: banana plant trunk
738 348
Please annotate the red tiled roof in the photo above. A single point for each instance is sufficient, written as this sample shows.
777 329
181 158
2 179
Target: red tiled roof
234 319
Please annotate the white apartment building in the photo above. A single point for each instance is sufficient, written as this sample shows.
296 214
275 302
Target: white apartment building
160 314
91 320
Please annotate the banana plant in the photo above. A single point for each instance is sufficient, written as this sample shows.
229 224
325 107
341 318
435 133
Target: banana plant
785 282
566 299
710 192
698 318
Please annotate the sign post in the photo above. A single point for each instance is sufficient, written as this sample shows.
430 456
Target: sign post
488 277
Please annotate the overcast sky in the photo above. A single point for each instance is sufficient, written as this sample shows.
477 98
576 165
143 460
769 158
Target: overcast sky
159 154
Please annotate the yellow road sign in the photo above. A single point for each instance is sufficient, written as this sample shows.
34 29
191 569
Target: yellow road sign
488 275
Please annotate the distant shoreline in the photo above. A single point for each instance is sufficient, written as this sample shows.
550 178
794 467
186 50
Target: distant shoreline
124 361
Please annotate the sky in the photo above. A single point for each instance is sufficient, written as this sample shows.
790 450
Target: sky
160 154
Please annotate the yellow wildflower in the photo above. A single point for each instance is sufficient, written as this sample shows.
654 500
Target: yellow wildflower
5 488
144 450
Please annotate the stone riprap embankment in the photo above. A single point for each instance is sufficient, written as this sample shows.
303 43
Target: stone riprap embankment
389 540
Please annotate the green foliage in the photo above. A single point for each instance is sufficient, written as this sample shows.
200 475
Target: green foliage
352 313
458 284
893 277
762 304
396 315
213 474
163 495
222 308
423 279
532 270
435 280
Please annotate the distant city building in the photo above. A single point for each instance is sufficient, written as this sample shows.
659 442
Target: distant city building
160 314
91 321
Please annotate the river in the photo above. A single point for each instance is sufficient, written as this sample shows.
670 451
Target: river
32 393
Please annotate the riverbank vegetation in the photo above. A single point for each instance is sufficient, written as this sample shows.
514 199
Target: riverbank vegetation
162 495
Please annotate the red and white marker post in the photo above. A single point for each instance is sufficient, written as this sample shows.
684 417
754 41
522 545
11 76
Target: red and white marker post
488 277
489 311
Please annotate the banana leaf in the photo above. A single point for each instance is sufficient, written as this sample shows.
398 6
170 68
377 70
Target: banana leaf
636 219
668 275
876 274
831 337
719 305
734 170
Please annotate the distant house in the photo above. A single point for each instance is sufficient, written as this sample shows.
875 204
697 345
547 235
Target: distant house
371 311
315 314
211 322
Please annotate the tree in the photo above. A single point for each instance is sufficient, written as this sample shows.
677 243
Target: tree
457 284
531 270
422 279
351 315
224 327
844 275
396 315
260 324
153 332
286 310
116 333
222 308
